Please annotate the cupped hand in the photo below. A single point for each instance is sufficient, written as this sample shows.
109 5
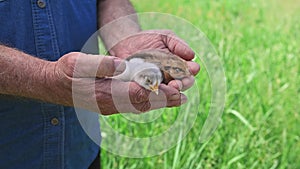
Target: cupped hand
84 81
164 40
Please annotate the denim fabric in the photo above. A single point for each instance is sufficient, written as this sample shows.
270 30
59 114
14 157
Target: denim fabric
34 134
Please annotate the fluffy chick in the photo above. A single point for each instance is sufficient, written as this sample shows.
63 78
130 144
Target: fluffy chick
147 75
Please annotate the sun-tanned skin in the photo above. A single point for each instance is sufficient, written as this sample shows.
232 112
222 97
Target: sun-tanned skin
23 75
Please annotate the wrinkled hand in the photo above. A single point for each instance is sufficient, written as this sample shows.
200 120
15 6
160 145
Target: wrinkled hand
75 83
161 40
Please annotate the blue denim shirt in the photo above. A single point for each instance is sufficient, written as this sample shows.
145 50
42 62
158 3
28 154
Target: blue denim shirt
34 134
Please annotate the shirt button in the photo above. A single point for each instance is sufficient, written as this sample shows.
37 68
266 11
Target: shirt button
41 3
54 121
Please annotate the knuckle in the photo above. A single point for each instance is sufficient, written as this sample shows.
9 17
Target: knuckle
143 107
139 94
170 34
70 58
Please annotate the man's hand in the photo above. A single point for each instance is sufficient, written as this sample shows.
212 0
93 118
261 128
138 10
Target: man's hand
161 40
86 78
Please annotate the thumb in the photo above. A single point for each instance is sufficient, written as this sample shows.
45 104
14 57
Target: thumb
97 66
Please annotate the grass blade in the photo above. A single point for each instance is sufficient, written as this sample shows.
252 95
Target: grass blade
241 118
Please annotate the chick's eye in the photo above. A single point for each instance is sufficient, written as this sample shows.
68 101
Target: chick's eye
148 80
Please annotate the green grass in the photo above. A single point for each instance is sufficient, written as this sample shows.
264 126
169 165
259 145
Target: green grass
258 43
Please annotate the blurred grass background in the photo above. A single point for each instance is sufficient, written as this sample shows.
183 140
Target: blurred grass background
259 45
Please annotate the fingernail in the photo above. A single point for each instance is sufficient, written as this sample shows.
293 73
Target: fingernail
175 97
179 83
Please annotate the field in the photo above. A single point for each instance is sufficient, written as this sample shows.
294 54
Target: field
258 44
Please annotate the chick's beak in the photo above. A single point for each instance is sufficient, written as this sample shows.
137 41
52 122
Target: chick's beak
154 88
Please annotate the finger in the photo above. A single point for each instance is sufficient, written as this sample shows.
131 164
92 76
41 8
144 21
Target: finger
169 92
142 100
176 103
177 84
104 110
98 66
138 94
180 99
182 85
143 107
117 96
194 67
110 66
178 46
134 107
153 104
187 82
